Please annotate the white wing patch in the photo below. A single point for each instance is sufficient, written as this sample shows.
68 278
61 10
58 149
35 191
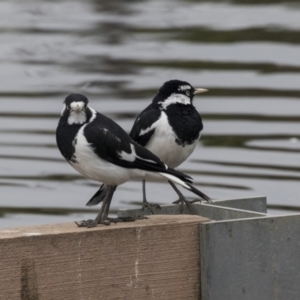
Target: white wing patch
133 156
175 98
184 88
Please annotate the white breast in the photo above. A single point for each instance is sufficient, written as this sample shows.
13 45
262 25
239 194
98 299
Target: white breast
163 144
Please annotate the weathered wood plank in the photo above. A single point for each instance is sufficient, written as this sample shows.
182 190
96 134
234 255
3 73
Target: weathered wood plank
157 258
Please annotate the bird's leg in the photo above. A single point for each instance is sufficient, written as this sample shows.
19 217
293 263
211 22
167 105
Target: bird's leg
103 218
107 220
90 222
102 215
182 200
111 189
146 204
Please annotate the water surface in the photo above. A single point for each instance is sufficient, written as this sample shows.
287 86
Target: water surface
247 53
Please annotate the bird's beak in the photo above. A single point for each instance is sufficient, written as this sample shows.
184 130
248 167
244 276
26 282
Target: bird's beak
77 107
199 91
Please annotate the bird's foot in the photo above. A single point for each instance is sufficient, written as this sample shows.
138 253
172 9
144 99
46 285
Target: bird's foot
182 200
92 223
118 220
209 201
150 206
126 219
86 223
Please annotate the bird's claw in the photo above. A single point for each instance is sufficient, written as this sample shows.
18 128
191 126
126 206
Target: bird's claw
126 219
118 220
93 223
188 203
150 206
87 223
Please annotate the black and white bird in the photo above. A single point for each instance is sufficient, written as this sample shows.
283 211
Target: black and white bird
169 127
101 150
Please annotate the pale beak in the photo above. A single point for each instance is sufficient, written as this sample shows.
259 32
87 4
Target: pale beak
199 91
77 107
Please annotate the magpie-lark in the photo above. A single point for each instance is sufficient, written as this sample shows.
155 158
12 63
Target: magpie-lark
169 127
101 150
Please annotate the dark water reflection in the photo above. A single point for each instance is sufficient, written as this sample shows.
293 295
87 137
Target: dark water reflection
118 53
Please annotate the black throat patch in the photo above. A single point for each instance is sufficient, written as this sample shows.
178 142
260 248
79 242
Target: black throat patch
185 122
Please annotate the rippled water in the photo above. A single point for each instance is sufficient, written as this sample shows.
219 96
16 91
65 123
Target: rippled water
119 53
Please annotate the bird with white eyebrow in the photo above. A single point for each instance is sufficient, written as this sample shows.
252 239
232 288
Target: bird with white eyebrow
100 149
170 127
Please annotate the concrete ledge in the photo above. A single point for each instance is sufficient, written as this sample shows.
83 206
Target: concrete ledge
227 209
255 204
248 259
157 258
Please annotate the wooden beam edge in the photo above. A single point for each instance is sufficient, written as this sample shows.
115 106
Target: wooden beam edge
65 228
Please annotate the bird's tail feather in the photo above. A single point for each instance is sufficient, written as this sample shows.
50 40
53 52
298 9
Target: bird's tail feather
176 174
186 184
173 175
175 179
99 196
199 193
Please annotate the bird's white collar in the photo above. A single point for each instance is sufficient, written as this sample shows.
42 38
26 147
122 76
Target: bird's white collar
173 99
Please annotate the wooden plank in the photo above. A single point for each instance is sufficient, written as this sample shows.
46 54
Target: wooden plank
157 258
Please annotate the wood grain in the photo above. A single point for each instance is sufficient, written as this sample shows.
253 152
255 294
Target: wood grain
157 258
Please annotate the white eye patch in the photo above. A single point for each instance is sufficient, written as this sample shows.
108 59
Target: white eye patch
184 88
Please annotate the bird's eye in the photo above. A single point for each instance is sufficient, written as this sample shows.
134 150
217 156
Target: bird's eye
188 93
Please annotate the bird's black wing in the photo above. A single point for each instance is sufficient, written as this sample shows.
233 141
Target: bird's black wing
111 143
143 129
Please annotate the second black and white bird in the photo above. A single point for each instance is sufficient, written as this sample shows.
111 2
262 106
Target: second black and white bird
170 127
